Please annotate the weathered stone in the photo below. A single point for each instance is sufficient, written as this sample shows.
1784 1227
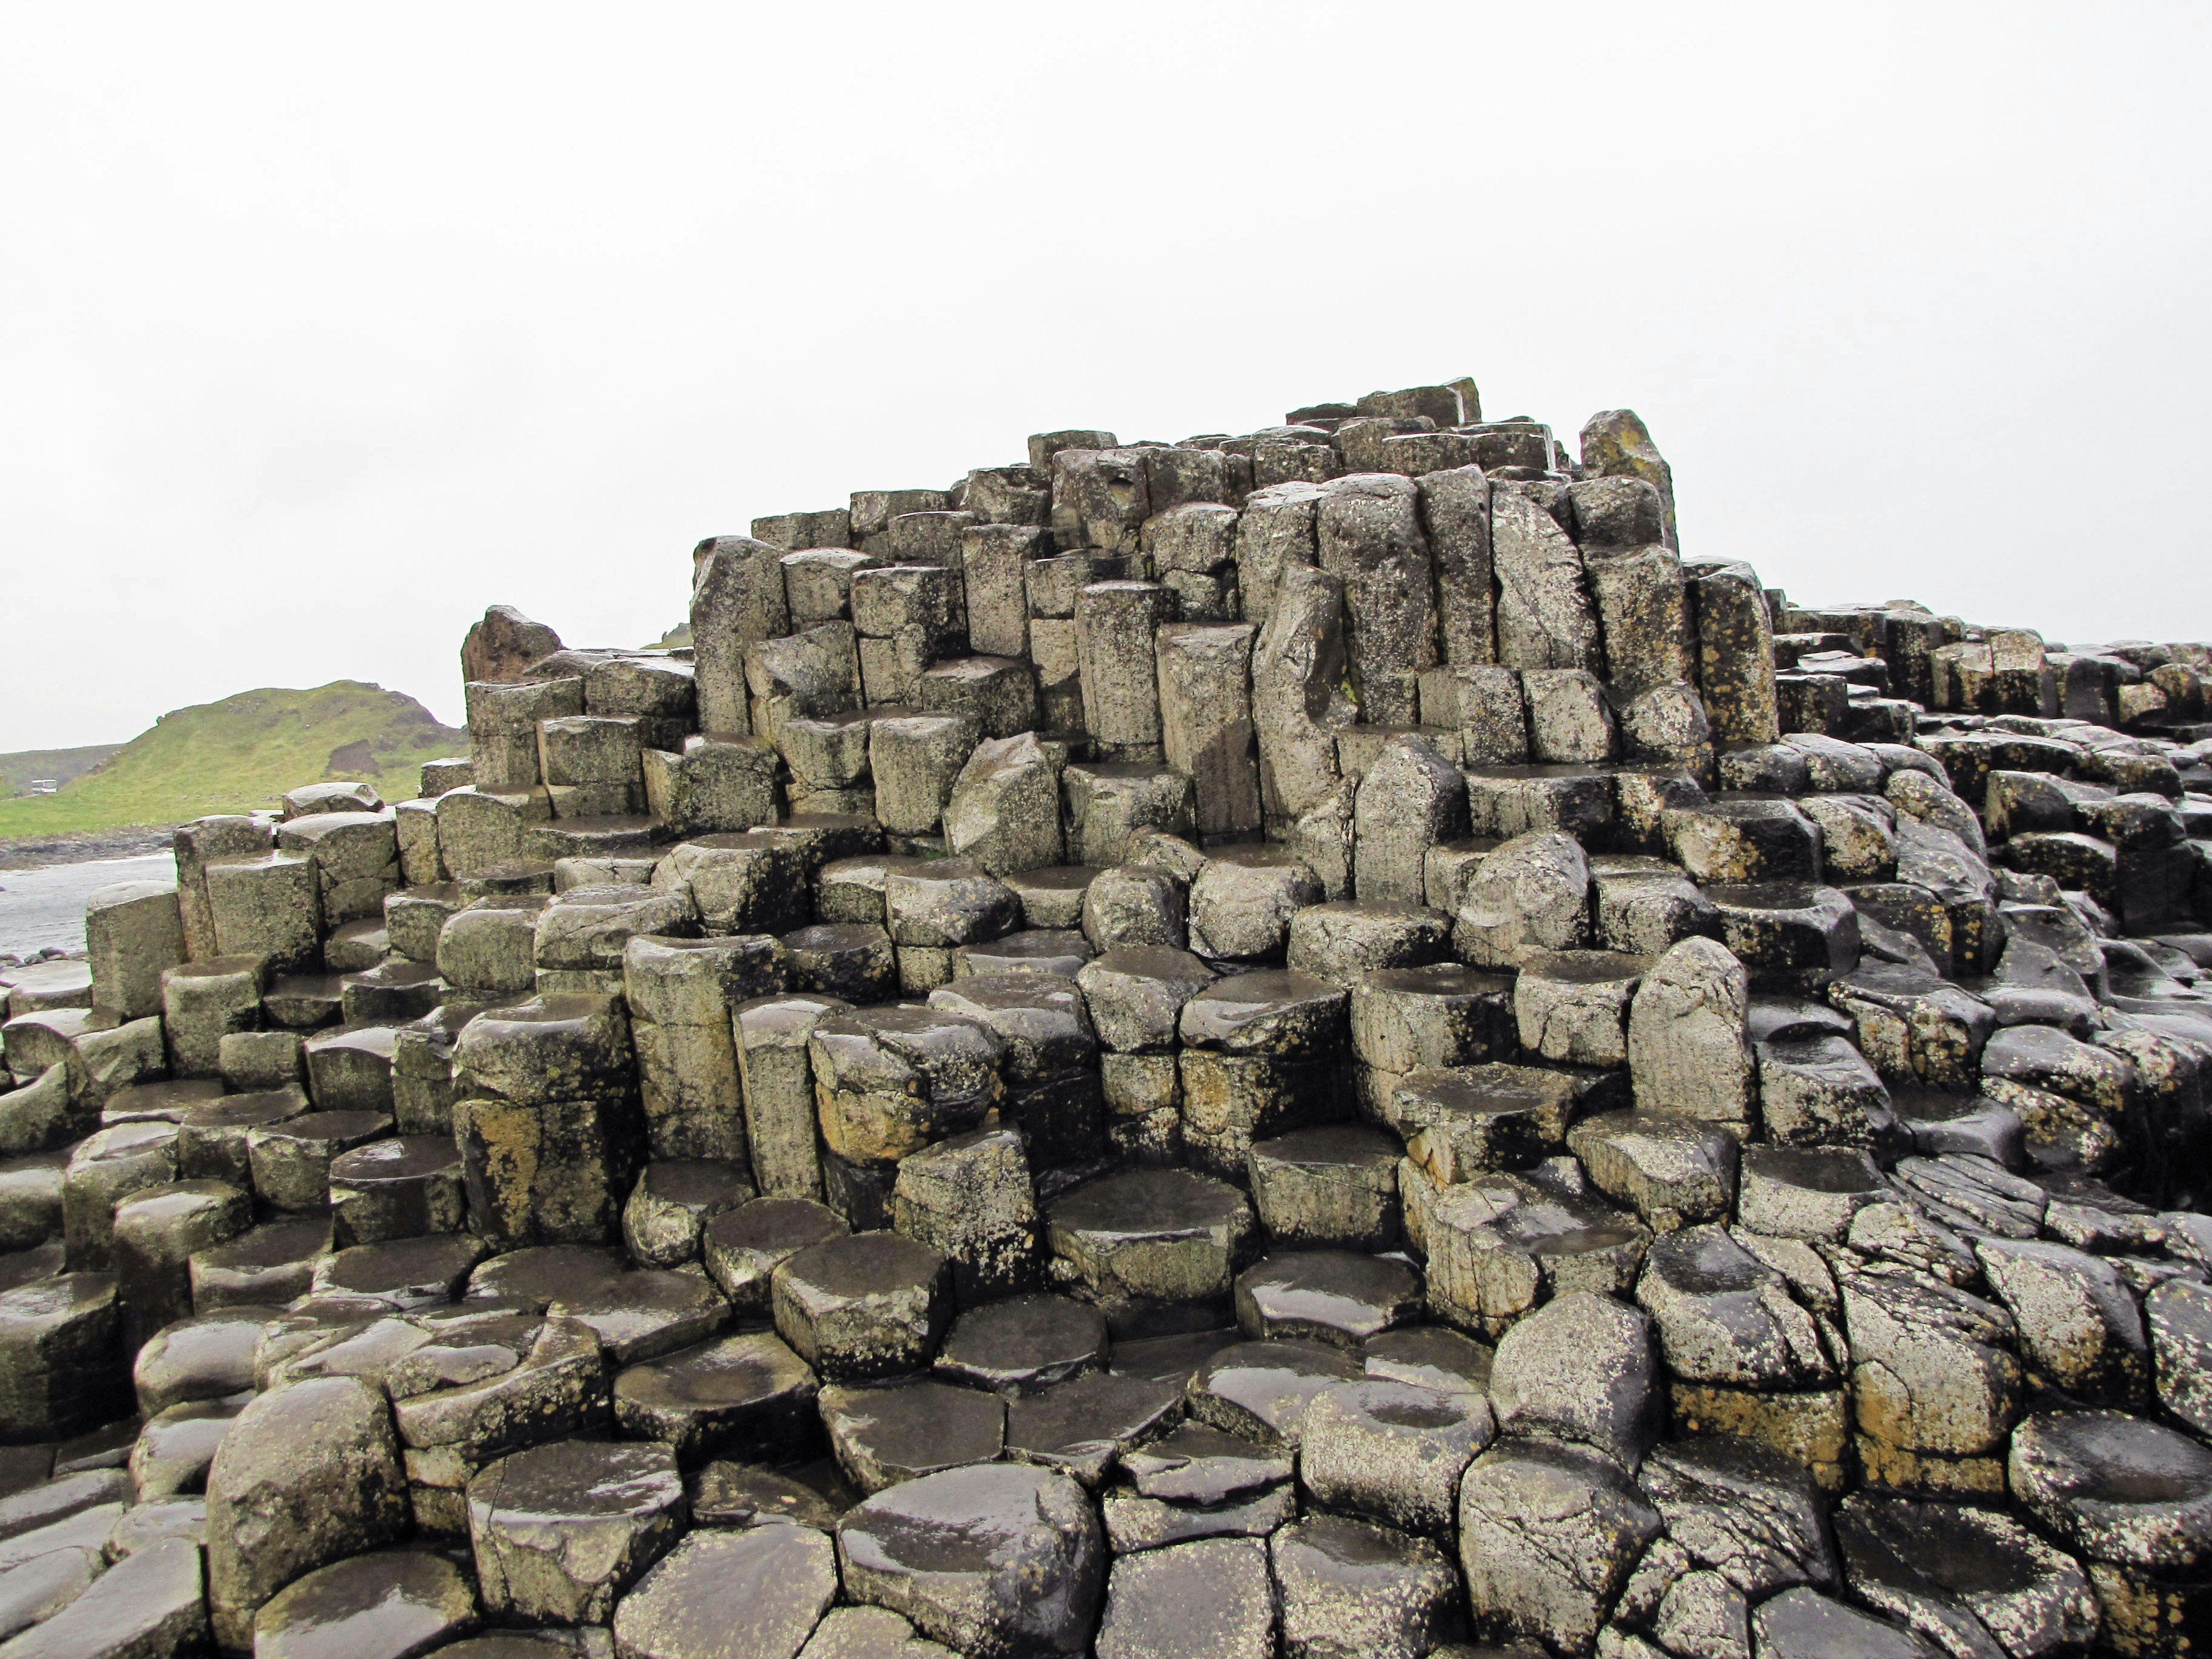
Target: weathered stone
1243 898
1024 1345
1326 1296
1549 1534
1299 703
1333 1185
771 1582
1498 1245
385 1604
1544 618
562 1531
1673 1170
1344 941
901 1430
681 993
890 1080
1149 1237
2081 1329
777 1077
1970 1580
997 1560
741 1248
1573 1005
672 1202
871 1304
1391 1452
305 1475
1350 1586
1209 1599
1003 810
738 1396
970 1198
1532 894
1085 1425
1260 1390
1810 1193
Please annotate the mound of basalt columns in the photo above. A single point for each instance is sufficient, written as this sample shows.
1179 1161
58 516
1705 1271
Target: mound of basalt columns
1301 1044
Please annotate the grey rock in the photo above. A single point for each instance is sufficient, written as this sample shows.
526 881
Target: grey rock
1532 894
1326 1296
771 1582
1802 1623
867 1305
1972 1581
306 1474
745 1396
994 1561
1549 1534
1353 1587
1209 1599
1391 1452
387 1604
560 1531
907 1430
1580 1368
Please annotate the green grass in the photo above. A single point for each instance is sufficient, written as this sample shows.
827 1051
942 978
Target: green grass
19 771
245 752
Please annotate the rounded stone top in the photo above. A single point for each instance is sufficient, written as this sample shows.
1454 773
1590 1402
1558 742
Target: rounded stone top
965 1520
1275 1011
1024 1343
578 1480
403 1158
2118 1487
734 1371
774 1223
863 1264
325 1126
245 1111
1586 967
695 1181
1144 1203
1440 979
1819 1169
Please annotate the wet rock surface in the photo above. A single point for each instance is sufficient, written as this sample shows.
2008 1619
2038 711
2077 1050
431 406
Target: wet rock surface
1562 1097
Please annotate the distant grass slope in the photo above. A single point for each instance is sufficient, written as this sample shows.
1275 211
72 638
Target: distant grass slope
245 752
19 771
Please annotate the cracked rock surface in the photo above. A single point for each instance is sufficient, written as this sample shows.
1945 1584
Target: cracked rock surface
1311 1044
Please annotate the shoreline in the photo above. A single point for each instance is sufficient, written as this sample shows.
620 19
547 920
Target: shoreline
84 846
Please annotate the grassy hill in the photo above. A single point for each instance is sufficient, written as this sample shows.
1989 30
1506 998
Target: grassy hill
17 771
244 752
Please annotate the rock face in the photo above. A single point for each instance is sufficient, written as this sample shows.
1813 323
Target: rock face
1310 1044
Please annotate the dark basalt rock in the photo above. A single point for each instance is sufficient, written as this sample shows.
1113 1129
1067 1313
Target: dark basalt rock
1262 1389
1210 1598
642 1316
1149 1237
1023 1345
867 1305
1326 1295
996 1561
388 1605
901 1431
772 1584
745 1495
562 1530
1969 1579
743 1248
744 1397
1082 1424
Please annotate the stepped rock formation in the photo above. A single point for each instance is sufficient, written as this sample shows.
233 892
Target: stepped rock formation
1318 1042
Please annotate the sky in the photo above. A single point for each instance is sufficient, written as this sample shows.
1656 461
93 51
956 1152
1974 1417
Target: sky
322 328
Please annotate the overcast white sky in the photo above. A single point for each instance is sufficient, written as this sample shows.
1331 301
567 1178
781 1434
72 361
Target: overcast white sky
323 328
